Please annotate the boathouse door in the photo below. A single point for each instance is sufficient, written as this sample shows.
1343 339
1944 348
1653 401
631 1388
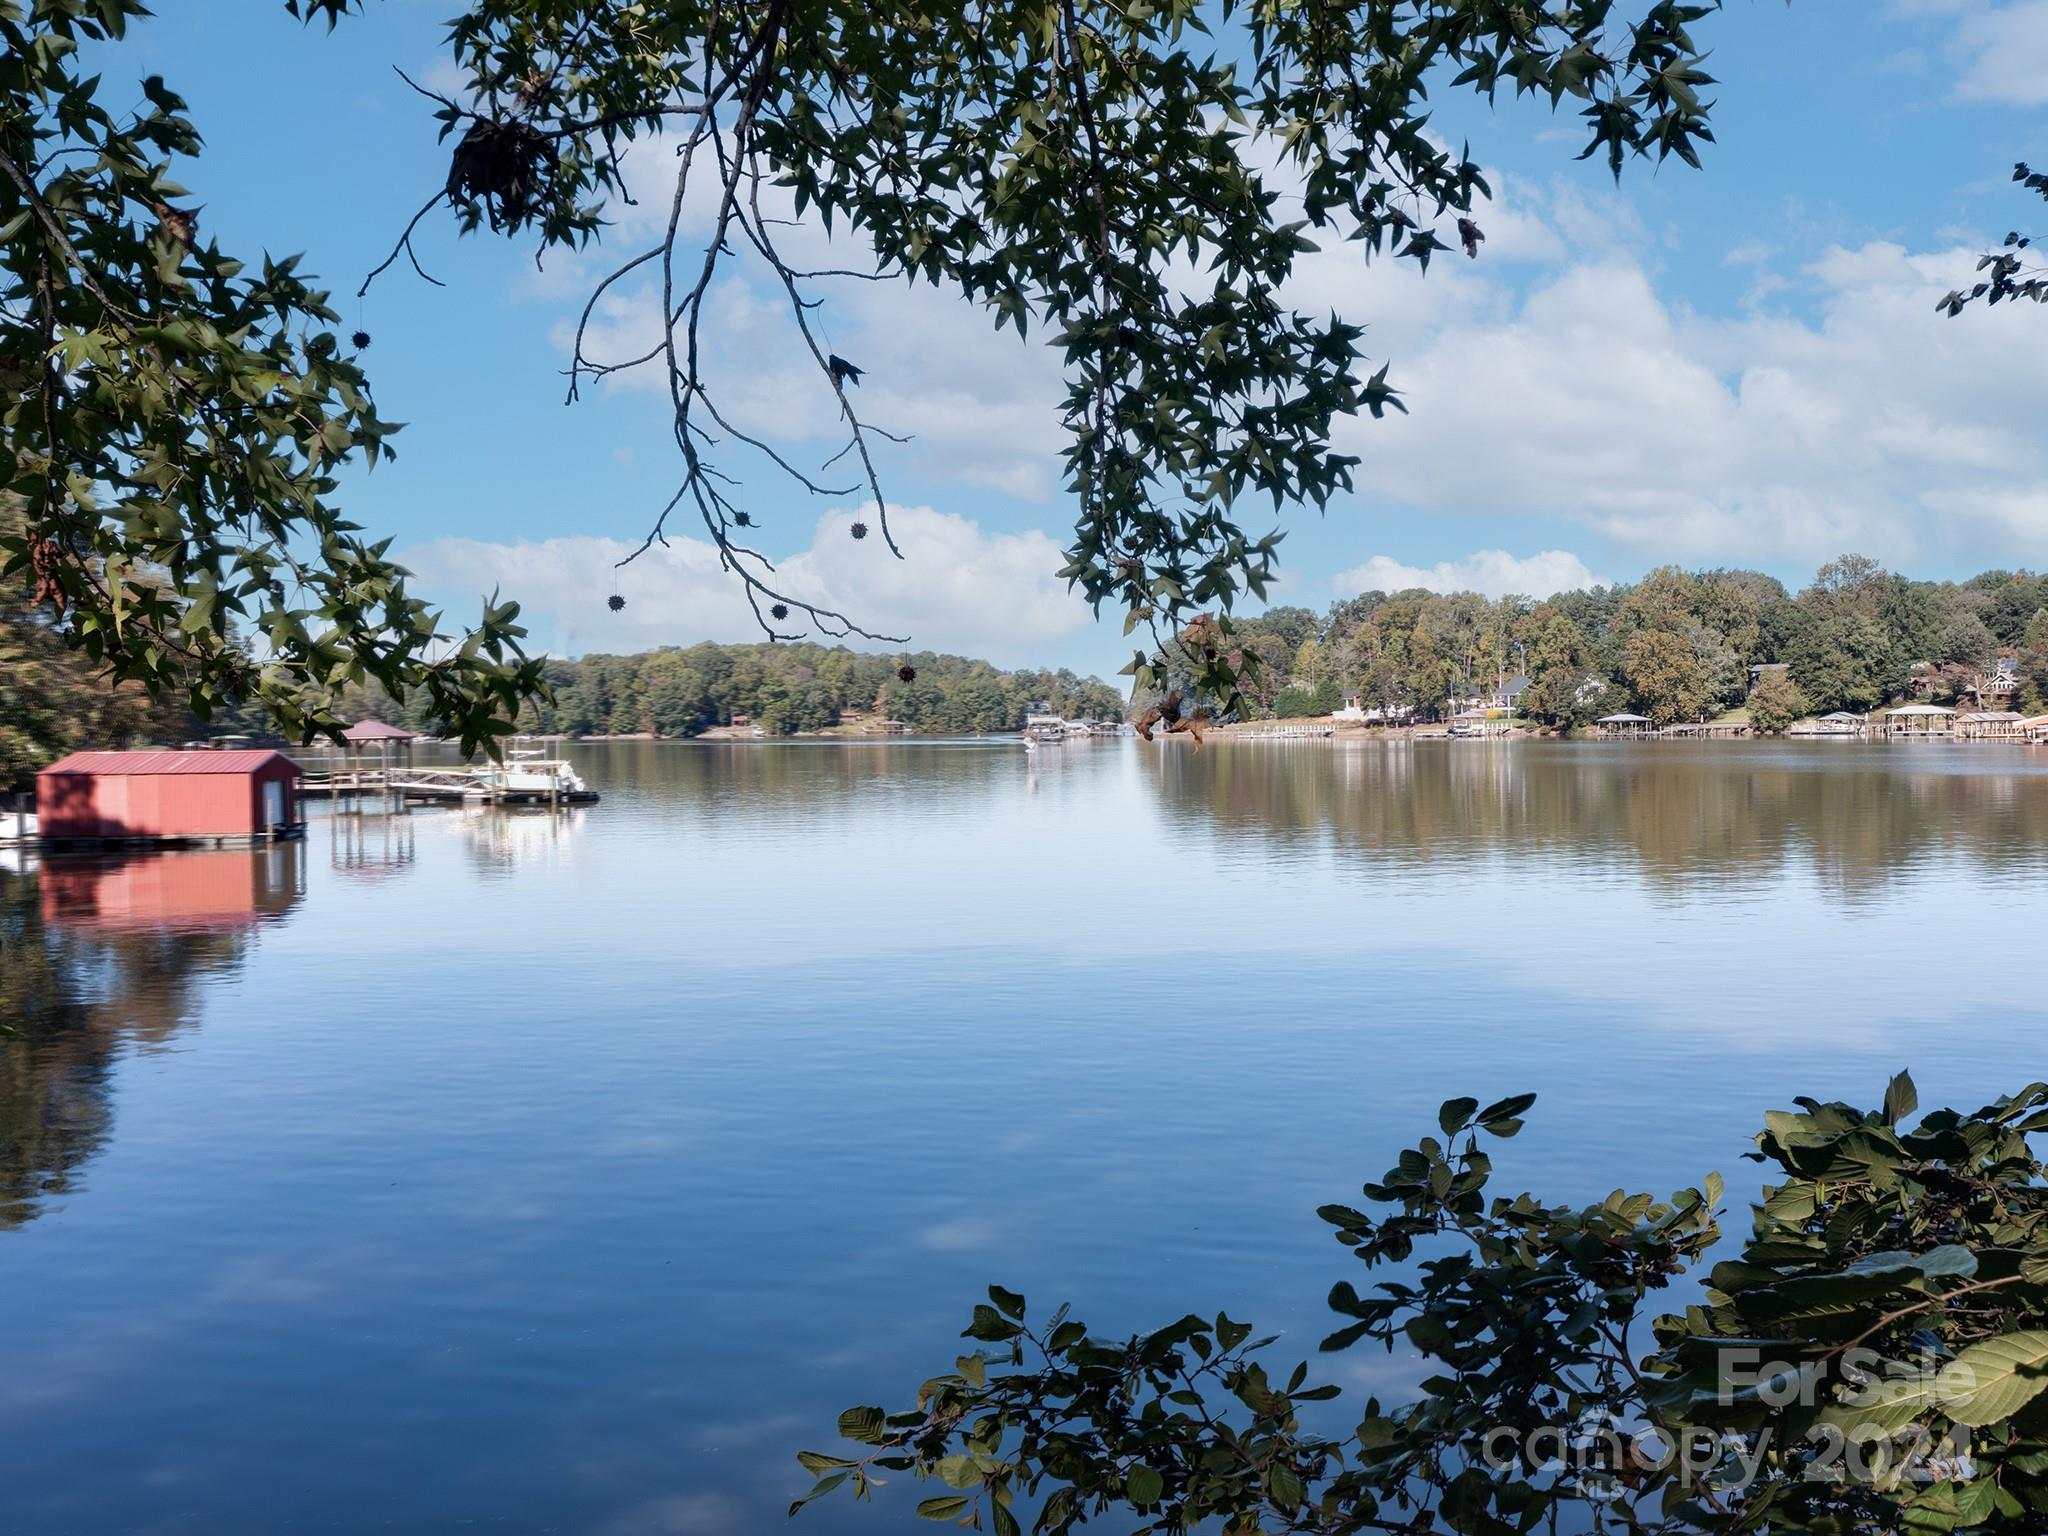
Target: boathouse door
273 805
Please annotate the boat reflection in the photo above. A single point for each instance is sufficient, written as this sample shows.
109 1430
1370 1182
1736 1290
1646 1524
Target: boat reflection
501 840
377 845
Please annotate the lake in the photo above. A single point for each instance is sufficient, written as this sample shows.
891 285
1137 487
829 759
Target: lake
534 1172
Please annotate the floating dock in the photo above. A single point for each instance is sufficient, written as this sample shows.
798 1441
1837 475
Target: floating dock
1256 730
449 786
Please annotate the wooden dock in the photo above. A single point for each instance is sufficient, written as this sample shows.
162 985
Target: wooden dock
433 786
1710 730
1260 731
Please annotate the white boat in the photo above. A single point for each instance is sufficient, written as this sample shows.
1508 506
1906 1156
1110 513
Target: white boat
1839 724
528 773
1045 728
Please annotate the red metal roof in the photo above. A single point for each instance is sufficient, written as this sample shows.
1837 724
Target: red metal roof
247 761
376 730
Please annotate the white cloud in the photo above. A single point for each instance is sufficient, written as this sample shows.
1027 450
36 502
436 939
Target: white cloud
1556 377
1994 46
2020 515
960 588
981 406
1494 572
2001 49
1877 425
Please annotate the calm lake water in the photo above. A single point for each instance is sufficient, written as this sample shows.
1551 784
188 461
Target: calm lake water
530 1173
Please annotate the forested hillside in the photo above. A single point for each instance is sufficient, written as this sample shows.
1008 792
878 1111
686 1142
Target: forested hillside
1674 646
55 699
785 688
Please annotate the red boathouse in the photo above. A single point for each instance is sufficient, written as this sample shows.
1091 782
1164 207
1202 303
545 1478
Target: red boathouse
168 796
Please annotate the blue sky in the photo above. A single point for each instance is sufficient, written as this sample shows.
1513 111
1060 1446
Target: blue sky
1734 366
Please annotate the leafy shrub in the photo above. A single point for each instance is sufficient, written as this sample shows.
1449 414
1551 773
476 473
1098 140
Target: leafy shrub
1875 1359
1775 702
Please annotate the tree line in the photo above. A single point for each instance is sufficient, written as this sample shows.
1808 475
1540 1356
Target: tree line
1677 645
56 697
53 700
782 688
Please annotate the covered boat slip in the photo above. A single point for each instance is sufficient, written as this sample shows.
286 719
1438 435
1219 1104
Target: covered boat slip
376 761
1837 725
1916 722
522 779
1624 725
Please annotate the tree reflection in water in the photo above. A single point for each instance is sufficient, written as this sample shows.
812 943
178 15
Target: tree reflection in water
103 956
1672 814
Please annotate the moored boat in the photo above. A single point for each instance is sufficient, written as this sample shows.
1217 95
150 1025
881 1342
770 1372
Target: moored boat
529 776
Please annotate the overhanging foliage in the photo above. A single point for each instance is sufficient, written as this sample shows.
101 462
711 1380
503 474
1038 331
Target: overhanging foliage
1137 179
1874 1359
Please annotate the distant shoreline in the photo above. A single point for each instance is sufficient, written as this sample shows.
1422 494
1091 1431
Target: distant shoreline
1324 728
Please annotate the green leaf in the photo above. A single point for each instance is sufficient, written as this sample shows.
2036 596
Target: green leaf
1508 1109
1901 1098
823 1486
1285 1486
990 1326
1990 1382
863 1424
1455 1115
1144 1486
945 1507
1886 1406
1949 1261
1066 1336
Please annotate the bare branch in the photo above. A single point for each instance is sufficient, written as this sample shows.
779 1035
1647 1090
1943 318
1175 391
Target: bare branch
405 244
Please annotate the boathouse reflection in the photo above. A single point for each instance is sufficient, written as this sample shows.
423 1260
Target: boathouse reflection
215 890
103 956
